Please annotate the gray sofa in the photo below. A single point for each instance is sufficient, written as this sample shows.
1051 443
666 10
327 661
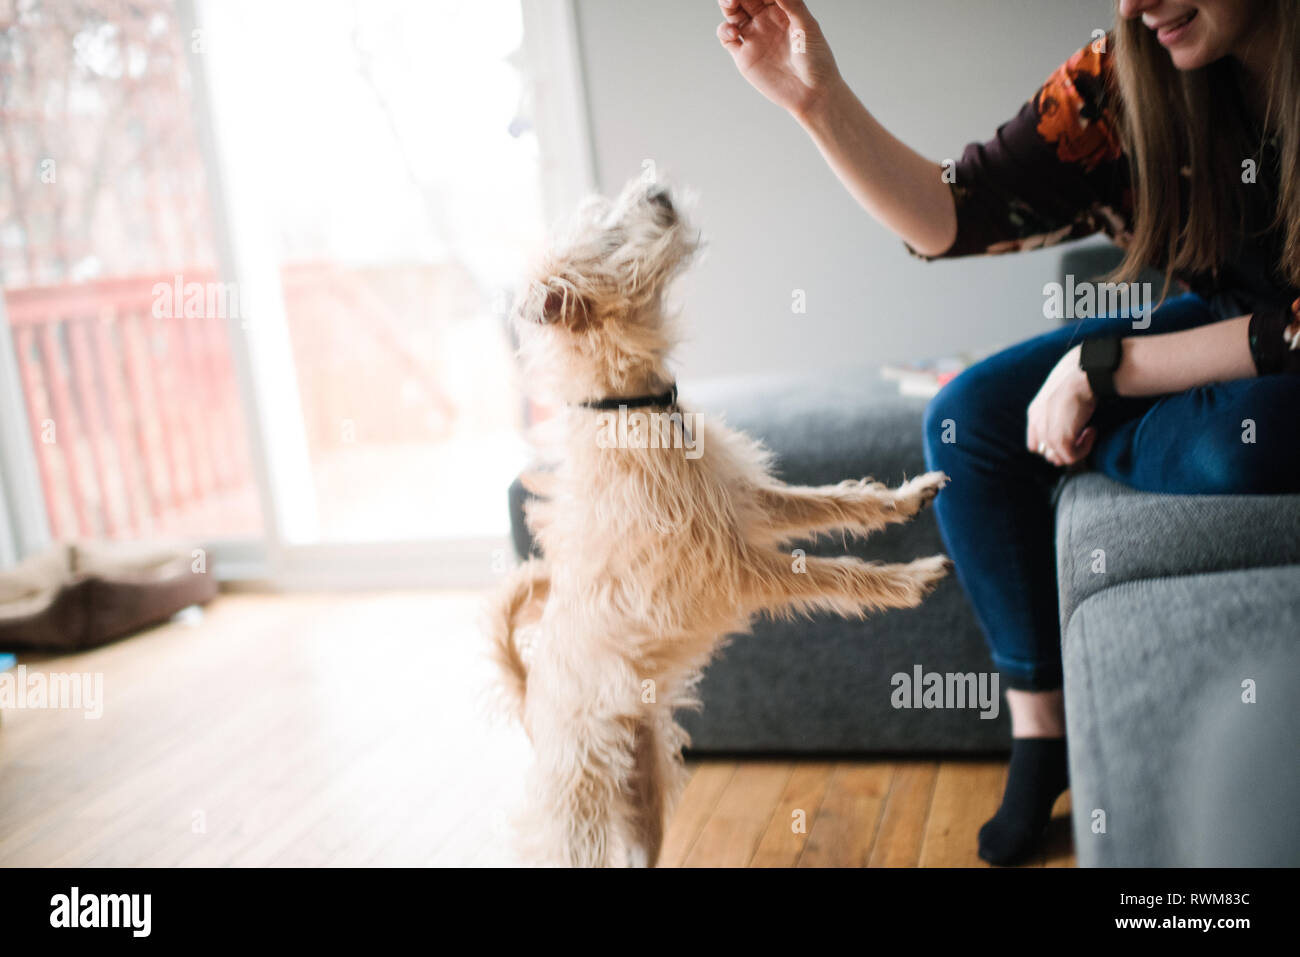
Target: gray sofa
1199 599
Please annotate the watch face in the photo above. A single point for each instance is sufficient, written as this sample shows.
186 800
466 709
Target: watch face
1099 358
1100 354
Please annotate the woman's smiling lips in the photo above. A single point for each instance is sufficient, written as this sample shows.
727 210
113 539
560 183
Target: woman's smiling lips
1171 31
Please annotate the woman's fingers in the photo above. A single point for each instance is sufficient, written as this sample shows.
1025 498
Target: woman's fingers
1087 439
1069 448
733 11
753 8
1050 442
1047 451
1060 438
729 36
798 13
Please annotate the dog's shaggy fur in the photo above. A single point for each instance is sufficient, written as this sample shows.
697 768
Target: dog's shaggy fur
651 557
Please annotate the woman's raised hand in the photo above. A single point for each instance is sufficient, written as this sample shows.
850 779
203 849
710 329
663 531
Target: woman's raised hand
779 48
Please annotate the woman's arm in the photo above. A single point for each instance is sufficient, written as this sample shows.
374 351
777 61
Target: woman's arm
1177 361
898 186
1052 172
1162 364
780 49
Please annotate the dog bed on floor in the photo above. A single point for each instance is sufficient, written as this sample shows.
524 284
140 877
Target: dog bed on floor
77 596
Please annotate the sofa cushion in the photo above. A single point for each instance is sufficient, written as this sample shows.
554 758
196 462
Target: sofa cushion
1142 535
1145 662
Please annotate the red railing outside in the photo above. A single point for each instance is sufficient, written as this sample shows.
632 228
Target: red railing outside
134 415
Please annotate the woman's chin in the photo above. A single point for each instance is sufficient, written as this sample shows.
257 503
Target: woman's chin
1195 50
1190 57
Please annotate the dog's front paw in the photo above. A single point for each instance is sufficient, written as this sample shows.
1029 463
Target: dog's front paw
916 494
928 572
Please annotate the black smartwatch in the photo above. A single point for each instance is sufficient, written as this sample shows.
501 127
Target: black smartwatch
1099 358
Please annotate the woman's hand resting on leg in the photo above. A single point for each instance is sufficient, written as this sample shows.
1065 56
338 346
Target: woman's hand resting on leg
1058 417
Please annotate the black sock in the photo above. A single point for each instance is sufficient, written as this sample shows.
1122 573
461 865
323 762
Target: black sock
1036 778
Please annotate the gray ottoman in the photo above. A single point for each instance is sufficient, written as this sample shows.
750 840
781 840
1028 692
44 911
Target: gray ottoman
824 684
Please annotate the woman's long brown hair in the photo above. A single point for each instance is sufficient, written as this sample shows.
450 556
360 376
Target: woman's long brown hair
1172 119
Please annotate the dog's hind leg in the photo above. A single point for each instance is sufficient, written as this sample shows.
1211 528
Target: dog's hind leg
779 584
793 511
576 794
583 747
648 797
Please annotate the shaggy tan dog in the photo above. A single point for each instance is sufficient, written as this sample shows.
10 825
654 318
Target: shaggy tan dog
659 541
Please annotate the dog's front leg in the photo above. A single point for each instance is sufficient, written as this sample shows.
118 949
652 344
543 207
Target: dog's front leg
792 511
779 584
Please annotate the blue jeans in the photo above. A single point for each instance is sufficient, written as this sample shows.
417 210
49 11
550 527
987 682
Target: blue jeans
996 515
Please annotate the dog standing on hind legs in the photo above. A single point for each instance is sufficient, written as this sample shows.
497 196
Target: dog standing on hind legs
655 551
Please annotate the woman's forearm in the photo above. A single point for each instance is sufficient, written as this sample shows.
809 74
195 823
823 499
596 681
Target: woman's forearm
1177 361
898 186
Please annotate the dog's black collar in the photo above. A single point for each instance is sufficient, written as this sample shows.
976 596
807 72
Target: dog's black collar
666 399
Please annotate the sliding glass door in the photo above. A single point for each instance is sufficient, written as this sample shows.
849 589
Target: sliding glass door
256 260
386 160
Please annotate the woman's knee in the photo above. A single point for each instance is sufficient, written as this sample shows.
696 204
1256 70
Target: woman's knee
980 412
942 417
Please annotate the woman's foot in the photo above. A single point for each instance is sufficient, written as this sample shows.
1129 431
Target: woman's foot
1036 778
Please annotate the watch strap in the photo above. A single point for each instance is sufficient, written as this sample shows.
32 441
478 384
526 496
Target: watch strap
1099 358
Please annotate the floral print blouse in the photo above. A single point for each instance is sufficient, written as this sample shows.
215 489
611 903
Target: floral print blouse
1058 171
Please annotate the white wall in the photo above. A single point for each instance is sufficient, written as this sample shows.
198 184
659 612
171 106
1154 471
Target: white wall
939 73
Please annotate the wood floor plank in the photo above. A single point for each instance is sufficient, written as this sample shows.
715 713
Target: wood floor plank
966 794
740 818
902 825
708 781
783 841
845 827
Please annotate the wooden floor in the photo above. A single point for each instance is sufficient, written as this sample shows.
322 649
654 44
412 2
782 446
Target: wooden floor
845 814
353 730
